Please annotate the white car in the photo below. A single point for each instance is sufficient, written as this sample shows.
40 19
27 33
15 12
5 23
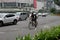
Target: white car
8 18
43 14
22 15
39 14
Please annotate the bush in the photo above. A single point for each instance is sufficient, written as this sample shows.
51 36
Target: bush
28 37
52 10
52 34
40 11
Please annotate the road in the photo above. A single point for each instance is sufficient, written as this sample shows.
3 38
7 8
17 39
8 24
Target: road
10 32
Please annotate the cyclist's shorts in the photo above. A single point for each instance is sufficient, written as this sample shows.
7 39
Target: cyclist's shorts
33 19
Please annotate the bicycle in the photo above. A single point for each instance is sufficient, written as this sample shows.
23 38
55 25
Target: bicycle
32 25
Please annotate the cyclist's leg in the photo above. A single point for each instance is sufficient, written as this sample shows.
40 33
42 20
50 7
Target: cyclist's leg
32 22
35 23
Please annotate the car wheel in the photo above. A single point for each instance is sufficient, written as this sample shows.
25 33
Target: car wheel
15 22
1 23
43 15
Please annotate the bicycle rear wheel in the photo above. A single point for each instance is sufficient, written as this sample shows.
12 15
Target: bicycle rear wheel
30 25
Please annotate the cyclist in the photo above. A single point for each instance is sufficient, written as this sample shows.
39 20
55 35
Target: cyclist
33 18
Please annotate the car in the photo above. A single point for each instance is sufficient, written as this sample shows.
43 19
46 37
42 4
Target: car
43 14
8 18
22 15
39 14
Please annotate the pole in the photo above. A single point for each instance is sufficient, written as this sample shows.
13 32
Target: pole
2 3
16 3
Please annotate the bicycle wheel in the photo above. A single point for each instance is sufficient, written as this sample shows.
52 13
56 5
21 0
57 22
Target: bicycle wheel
30 25
35 24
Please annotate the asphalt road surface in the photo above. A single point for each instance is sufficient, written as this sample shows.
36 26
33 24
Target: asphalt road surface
10 32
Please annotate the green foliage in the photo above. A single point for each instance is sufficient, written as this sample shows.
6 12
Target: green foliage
52 34
40 11
57 2
52 10
27 37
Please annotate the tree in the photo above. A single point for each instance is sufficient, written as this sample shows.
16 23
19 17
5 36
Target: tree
57 2
52 10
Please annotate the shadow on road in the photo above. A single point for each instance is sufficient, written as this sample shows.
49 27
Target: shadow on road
7 25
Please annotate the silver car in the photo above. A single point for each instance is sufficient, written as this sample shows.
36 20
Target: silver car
22 15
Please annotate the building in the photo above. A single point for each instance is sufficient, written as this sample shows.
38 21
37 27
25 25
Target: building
46 4
50 4
26 5
16 5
